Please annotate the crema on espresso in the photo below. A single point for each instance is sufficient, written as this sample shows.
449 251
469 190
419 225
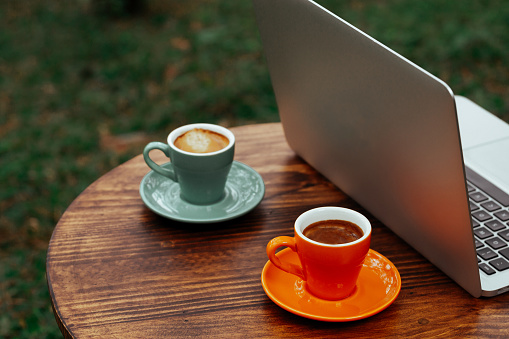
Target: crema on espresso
200 140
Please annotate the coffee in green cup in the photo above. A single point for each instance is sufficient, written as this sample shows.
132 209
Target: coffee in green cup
200 156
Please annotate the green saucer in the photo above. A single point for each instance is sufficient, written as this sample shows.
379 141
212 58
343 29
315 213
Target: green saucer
244 191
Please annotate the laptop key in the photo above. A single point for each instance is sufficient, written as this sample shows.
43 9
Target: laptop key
500 264
482 233
494 225
496 243
481 215
495 192
486 269
473 206
486 253
505 253
478 244
478 196
491 206
502 215
504 235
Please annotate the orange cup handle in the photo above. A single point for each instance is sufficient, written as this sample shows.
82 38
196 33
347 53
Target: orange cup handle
289 242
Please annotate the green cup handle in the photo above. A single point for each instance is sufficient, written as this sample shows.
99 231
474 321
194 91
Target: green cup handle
167 172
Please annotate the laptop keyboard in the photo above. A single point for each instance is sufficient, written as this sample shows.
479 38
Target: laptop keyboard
489 207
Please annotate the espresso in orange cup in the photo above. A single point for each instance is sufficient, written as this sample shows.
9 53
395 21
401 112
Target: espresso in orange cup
329 270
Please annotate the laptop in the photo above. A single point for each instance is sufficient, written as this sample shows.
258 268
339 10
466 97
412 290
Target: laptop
431 166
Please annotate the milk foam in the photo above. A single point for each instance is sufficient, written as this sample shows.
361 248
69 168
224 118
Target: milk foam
201 141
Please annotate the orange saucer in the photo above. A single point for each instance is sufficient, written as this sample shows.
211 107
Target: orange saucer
378 286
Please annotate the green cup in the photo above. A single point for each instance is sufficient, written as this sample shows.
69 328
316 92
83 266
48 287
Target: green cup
201 176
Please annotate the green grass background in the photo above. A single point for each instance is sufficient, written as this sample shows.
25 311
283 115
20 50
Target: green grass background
81 92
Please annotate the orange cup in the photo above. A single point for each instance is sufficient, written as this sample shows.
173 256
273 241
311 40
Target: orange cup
330 271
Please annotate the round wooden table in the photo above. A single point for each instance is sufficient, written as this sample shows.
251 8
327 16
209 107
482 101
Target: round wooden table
115 269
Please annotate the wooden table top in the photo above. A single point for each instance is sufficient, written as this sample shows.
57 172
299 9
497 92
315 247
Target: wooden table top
116 269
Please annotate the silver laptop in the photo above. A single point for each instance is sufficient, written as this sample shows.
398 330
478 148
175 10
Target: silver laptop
394 138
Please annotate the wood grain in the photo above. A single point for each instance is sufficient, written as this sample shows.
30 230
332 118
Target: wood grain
117 270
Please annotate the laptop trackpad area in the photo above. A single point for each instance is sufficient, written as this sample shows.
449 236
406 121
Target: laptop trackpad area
477 125
491 161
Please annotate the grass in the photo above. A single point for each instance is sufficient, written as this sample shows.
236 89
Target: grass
80 93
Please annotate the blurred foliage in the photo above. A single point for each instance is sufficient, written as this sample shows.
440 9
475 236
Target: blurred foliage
83 88
118 8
